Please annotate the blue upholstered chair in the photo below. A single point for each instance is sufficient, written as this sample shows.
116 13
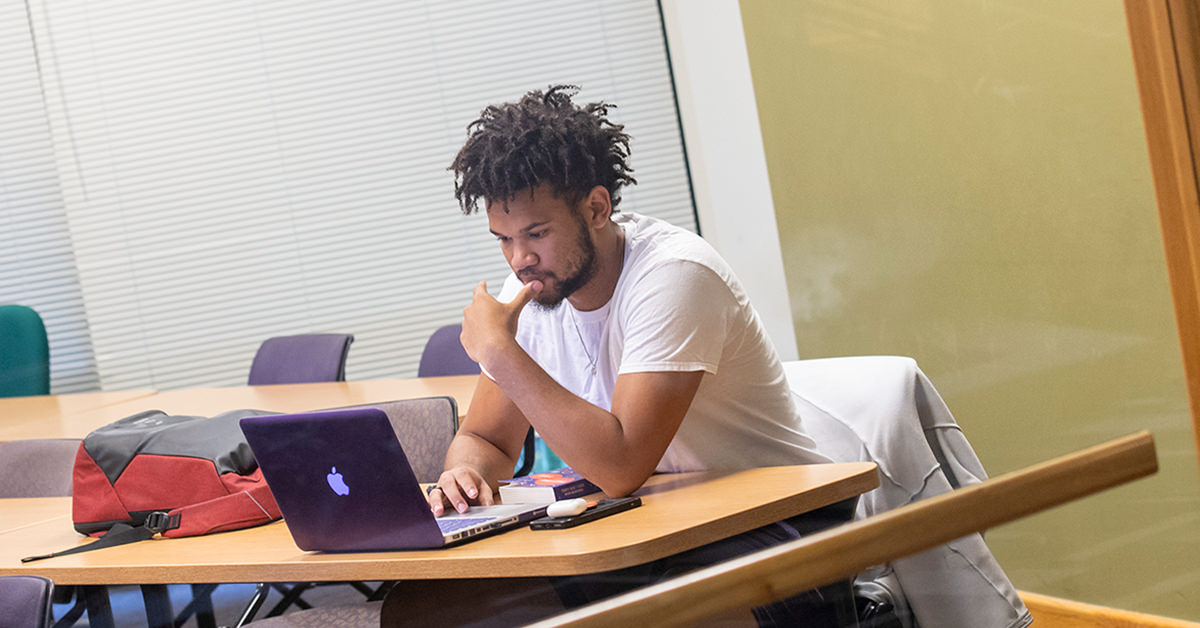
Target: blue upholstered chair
444 355
25 601
301 359
24 353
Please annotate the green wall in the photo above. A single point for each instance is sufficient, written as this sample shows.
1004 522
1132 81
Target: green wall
967 183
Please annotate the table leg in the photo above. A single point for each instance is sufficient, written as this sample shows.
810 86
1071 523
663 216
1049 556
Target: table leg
158 606
99 611
200 606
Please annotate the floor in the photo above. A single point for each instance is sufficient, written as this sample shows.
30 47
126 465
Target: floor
229 600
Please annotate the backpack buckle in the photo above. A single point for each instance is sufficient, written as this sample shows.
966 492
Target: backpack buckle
159 521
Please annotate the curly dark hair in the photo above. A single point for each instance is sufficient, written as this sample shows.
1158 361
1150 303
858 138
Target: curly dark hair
542 138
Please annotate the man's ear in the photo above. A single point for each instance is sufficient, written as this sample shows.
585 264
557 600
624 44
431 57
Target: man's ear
597 206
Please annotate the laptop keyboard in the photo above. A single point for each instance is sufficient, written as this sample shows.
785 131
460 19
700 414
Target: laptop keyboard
454 525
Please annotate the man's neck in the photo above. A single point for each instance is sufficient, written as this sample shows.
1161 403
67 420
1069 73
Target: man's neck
610 251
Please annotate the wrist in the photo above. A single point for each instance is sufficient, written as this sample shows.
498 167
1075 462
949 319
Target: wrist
498 355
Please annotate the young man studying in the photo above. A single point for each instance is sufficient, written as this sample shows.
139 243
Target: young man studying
626 342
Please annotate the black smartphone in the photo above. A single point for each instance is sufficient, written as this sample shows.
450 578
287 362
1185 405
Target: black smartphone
603 508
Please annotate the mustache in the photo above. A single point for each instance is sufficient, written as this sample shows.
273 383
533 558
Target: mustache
528 275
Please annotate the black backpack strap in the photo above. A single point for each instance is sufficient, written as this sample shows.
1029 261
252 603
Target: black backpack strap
119 534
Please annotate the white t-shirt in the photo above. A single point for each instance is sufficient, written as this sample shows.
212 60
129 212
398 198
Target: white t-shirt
677 307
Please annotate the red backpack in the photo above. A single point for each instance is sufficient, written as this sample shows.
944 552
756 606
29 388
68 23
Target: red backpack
153 473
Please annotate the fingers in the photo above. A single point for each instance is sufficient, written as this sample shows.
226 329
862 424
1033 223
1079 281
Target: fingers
525 295
481 290
459 487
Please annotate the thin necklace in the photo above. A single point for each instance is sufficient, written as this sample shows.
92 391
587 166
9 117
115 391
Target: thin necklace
582 343
575 318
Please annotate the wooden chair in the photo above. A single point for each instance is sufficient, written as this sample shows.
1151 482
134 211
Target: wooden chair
779 572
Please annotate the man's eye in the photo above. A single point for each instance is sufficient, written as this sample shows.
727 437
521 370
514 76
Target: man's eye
536 234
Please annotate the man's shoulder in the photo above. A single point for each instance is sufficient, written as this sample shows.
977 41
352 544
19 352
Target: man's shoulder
654 242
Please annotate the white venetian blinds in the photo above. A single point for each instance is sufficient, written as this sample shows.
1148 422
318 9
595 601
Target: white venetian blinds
234 170
37 264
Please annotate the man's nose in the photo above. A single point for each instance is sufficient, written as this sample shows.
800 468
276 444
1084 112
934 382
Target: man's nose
523 257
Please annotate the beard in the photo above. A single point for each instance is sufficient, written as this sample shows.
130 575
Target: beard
582 269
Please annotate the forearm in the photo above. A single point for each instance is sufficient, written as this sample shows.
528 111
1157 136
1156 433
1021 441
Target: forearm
617 450
589 438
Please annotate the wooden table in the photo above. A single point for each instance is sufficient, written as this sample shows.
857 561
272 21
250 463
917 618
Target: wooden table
57 416
679 512
17 513
65 416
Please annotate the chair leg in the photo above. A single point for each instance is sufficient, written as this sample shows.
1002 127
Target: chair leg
256 601
382 591
362 587
76 611
291 595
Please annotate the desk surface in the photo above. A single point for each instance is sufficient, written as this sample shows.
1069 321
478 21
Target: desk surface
71 416
17 513
51 416
679 512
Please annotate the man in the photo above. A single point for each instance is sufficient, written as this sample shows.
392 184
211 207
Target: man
626 342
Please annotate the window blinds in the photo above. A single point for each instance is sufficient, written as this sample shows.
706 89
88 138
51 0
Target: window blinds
232 171
37 265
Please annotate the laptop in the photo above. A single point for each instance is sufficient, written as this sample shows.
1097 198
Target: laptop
343 484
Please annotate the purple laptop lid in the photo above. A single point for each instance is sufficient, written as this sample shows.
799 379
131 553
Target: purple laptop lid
342 481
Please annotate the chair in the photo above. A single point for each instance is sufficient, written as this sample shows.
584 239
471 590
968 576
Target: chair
25 601
425 428
39 467
301 359
785 570
444 355
883 409
42 467
24 353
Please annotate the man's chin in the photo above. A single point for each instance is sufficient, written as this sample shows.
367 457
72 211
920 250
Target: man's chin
547 302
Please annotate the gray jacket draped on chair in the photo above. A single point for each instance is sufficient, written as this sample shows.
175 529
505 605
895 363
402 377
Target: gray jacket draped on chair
883 409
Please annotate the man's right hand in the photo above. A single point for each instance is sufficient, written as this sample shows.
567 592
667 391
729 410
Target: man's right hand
489 325
460 488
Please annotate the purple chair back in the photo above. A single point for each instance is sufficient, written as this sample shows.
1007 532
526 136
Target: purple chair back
301 359
25 601
444 355
37 467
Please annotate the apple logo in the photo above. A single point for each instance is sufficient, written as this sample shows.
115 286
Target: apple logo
336 482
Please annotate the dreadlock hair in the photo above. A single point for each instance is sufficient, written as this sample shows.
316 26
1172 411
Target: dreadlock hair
542 138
